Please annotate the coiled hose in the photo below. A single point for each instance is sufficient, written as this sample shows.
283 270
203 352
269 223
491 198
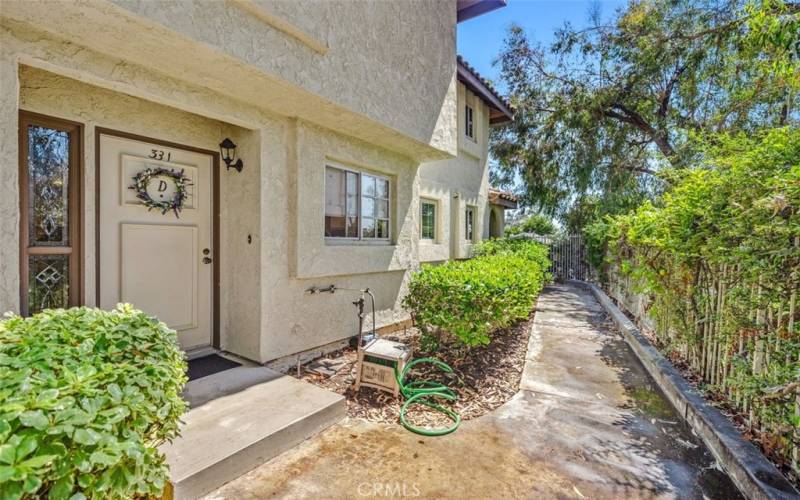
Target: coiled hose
426 392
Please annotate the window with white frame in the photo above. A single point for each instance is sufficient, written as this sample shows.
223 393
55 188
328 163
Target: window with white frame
428 220
356 205
469 224
469 123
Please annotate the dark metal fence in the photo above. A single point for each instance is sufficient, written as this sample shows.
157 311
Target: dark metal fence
567 255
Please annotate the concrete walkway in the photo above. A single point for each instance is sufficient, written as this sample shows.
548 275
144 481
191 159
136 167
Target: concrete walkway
588 422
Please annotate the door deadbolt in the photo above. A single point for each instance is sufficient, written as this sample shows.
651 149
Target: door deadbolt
206 251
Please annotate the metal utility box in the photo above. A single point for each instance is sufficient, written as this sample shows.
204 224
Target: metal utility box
376 364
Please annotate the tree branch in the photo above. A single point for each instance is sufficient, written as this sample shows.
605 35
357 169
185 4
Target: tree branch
627 115
634 168
666 95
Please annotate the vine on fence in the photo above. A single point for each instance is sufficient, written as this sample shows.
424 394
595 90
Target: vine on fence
718 262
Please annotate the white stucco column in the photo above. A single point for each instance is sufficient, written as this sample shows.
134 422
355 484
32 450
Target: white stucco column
9 183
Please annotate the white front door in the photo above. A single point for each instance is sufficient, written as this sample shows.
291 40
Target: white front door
159 262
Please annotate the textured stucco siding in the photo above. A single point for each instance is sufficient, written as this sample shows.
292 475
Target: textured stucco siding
9 182
297 256
459 183
390 60
388 76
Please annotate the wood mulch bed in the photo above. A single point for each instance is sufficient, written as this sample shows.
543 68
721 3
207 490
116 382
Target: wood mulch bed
484 379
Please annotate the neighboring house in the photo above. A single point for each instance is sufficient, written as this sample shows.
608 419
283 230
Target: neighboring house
345 116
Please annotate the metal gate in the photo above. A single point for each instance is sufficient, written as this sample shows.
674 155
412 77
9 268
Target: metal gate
568 256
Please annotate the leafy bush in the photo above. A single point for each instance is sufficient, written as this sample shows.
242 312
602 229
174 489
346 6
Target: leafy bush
536 224
469 300
528 249
719 259
86 396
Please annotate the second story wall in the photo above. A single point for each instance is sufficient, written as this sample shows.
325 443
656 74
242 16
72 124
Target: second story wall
457 185
392 61
383 72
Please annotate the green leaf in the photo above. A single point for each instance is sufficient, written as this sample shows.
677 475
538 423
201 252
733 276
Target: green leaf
46 396
62 488
26 447
5 430
31 484
11 490
39 460
85 372
6 473
101 458
8 453
86 436
115 392
35 419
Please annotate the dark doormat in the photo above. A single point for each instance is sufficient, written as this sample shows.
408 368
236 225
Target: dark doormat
209 365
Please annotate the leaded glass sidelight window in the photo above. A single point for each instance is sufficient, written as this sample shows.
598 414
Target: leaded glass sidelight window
49 213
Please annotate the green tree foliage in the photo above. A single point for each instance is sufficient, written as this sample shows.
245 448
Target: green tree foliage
603 109
536 224
86 396
466 301
735 220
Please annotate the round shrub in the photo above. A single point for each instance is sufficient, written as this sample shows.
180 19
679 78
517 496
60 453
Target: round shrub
86 396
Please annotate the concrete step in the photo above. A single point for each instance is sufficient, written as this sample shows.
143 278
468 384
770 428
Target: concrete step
239 419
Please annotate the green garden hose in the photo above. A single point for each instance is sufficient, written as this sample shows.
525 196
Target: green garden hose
425 392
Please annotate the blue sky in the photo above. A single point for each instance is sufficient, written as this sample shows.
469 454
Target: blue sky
480 39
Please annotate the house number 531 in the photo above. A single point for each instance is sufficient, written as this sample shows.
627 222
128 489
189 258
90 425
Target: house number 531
160 154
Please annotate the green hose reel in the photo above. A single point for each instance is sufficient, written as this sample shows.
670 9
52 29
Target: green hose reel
426 393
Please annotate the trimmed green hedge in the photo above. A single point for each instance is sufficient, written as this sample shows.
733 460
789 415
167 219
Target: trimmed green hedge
471 299
86 396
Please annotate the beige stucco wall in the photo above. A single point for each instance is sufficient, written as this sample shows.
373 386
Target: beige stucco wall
298 257
387 76
459 183
9 181
389 60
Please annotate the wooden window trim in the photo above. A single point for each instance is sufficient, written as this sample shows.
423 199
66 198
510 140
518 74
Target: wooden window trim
74 206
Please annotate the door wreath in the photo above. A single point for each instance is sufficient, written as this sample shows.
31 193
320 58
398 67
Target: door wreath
142 179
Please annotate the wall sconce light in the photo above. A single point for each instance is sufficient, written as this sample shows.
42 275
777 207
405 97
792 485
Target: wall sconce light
228 151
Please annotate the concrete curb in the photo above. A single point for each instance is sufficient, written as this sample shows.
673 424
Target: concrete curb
753 474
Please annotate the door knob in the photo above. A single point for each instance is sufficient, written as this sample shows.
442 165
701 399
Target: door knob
206 260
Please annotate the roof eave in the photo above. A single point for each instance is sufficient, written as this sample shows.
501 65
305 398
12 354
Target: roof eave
467 9
502 199
473 83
